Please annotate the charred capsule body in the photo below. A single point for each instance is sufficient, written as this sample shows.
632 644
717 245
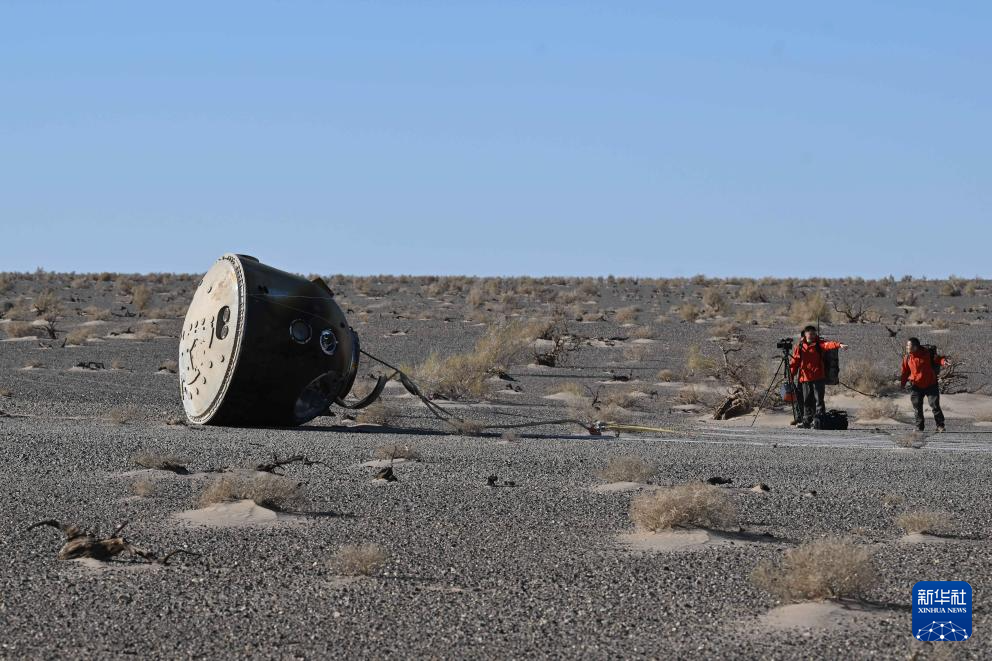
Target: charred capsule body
260 346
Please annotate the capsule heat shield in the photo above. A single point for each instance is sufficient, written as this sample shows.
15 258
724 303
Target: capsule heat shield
260 346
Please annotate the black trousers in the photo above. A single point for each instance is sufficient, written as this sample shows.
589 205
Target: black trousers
933 396
813 399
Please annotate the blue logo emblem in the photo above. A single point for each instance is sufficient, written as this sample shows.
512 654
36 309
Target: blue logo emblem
942 610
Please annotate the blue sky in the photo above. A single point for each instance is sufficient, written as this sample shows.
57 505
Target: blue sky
498 138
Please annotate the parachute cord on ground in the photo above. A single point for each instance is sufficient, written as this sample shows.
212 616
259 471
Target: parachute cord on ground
453 420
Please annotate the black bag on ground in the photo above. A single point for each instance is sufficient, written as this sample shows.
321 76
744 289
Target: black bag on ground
832 420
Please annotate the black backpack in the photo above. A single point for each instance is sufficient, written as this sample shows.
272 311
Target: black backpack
934 362
831 363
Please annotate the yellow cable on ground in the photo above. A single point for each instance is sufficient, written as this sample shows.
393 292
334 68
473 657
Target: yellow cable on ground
610 426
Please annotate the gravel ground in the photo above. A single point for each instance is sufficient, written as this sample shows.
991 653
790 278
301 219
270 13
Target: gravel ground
474 571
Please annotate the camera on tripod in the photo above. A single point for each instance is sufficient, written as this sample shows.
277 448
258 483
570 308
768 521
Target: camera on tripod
785 344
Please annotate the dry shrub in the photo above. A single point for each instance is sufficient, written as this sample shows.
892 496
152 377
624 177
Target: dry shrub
688 312
642 333
47 302
624 398
79 335
140 297
272 491
117 364
693 504
162 461
915 440
6 392
713 299
689 395
984 416
628 469
665 376
358 559
628 315
464 375
868 378
878 410
98 314
396 451
636 353
696 362
510 436
922 521
751 293
831 568
810 310
377 413
169 365
890 500
144 488
571 388
20 329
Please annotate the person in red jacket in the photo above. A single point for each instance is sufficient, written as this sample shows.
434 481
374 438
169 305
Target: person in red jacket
807 362
918 370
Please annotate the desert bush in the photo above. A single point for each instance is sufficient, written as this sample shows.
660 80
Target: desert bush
271 491
829 568
693 504
725 330
628 469
571 388
621 397
47 302
20 329
158 460
865 376
688 312
922 521
397 451
144 488
97 314
877 410
642 333
628 315
358 559
464 375
890 500
636 353
168 365
665 375
713 299
751 293
911 440
689 395
812 309
939 323
377 413
78 336
950 288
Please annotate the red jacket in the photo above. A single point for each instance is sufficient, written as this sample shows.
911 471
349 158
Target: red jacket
916 369
808 360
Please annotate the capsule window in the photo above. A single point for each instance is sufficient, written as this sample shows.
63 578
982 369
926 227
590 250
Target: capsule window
220 324
300 331
328 342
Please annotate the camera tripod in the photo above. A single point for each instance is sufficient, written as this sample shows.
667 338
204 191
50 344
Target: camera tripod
786 374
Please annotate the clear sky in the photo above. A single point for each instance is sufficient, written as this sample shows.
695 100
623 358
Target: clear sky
498 138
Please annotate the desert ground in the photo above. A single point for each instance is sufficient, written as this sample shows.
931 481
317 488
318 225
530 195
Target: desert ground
703 538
